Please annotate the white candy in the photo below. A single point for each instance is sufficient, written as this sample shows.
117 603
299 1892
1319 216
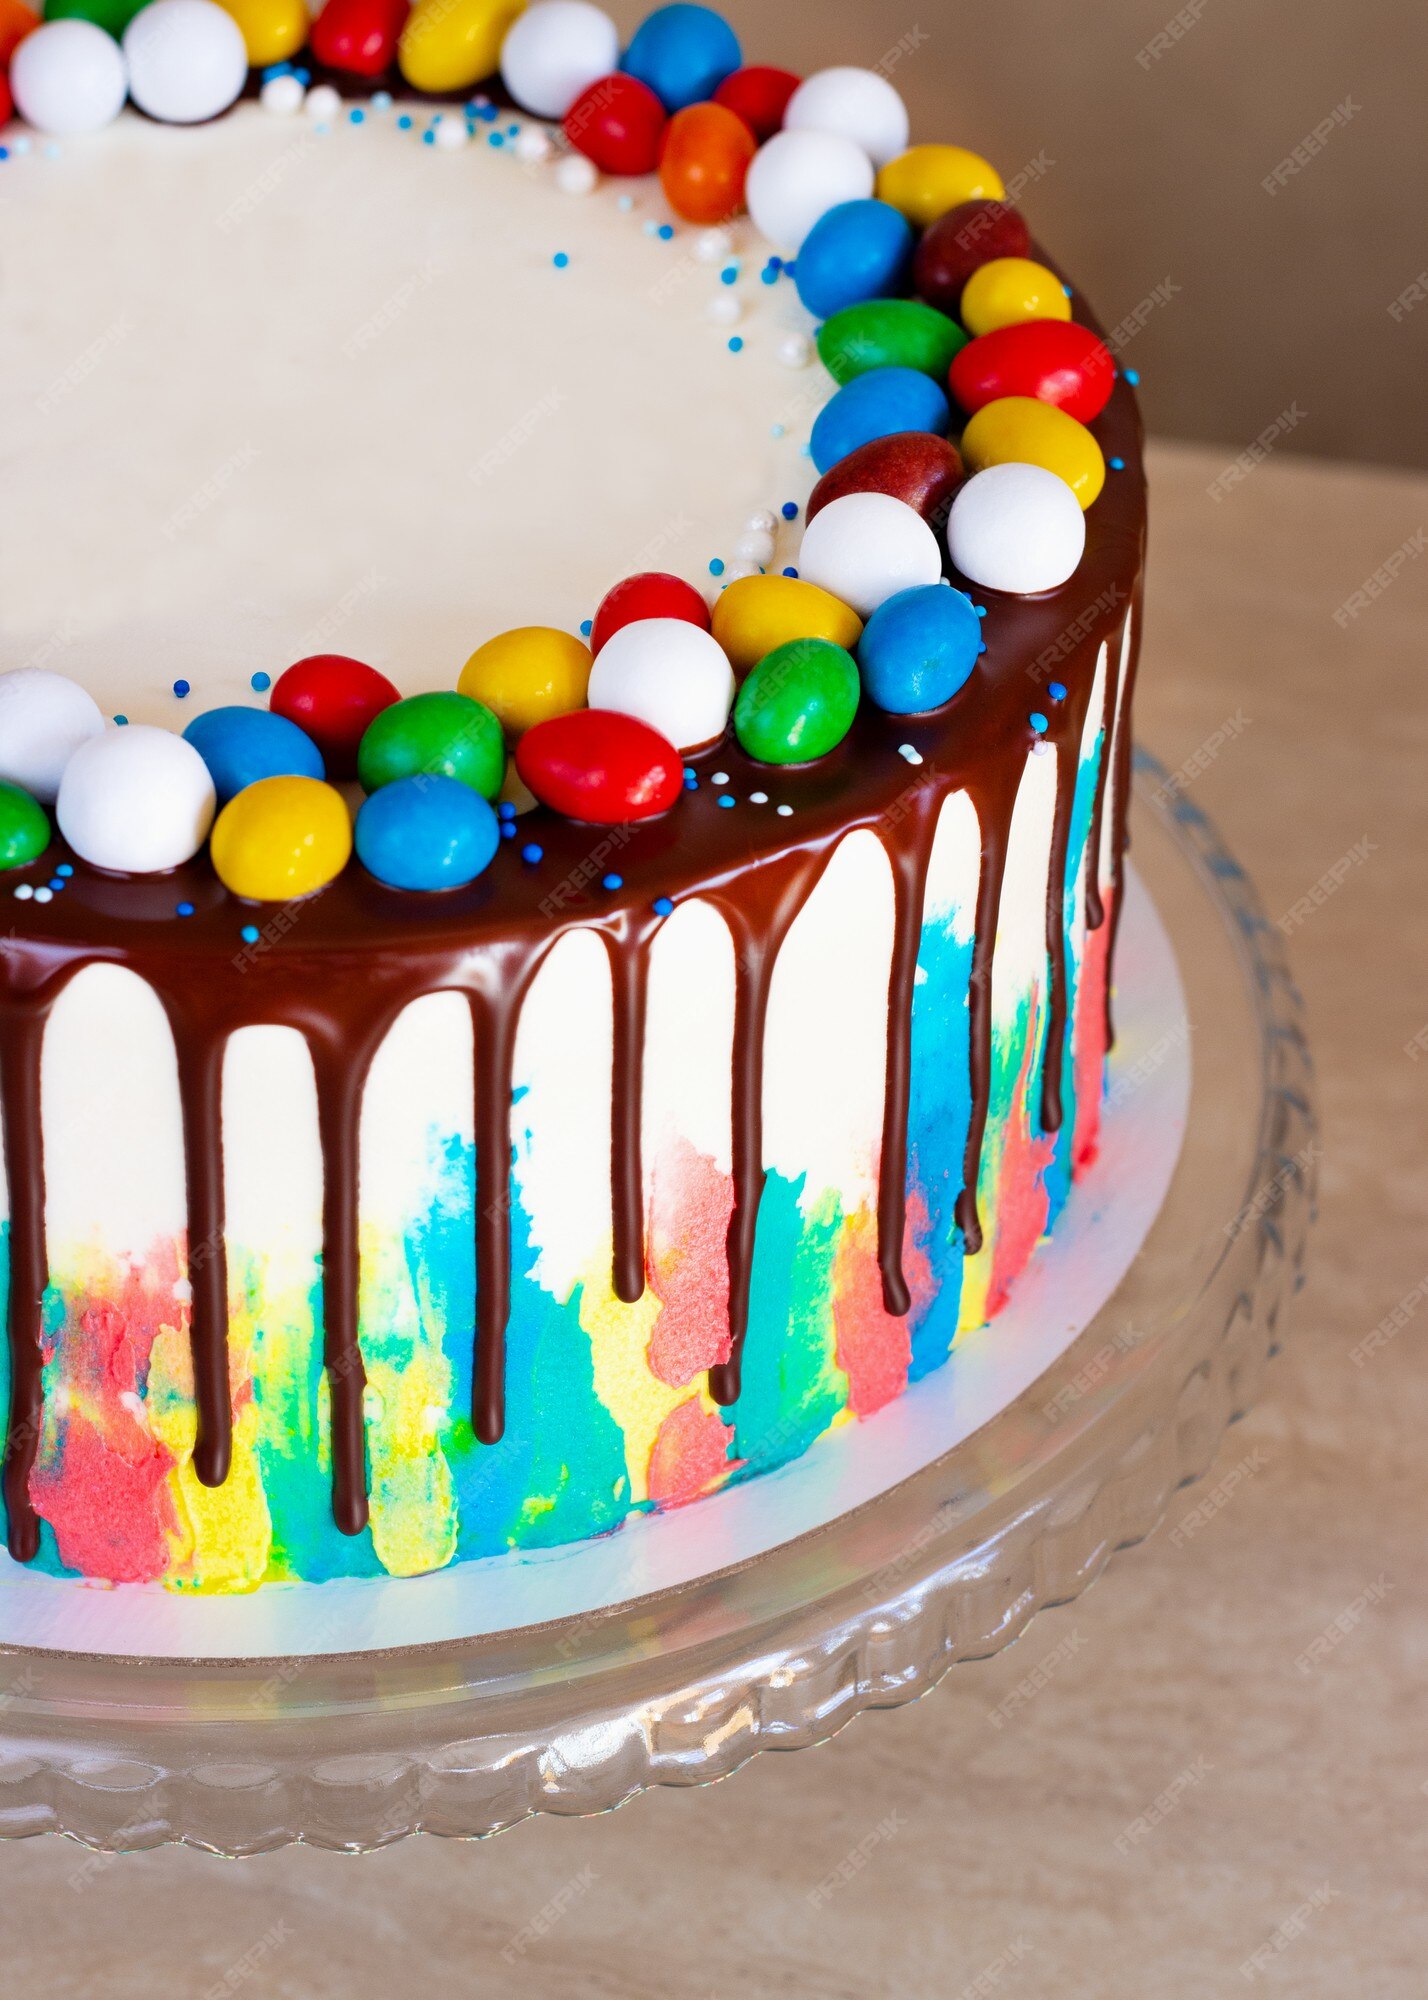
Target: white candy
577 175
755 546
866 547
322 102
1015 527
857 104
187 61
765 522
68 77
554 51
282 95
43 720
136 800
797 177
451 132
673 675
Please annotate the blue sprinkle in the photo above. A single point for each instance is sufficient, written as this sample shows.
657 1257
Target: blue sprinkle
587 626
181 688
729 275
428 138
530 853
487 112
651 229
1132 376
249 934
625 203
691 780
612 882
304 77
726 799
184 910
512 131
666 232
790 510
736 343
495 138
716 565
1057 690
789 570
560 259
980 609
776 430
121 720
276 69
505 810
4 152
509 829
1067 290
1116 464
57 883
1038 722
356 116
663 907
66 868
260 683
405 122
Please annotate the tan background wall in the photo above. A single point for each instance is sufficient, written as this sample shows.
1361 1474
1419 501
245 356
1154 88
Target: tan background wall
1158 153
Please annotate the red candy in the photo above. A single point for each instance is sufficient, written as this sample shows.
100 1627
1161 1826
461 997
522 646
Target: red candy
7 103
915 467
333 699
959 243
618 123
651 594
359 37
599 766
1053 360
759 96
704 158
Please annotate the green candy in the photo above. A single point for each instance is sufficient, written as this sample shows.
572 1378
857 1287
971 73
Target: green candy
113 16
798 703
434 736
24 828
889 333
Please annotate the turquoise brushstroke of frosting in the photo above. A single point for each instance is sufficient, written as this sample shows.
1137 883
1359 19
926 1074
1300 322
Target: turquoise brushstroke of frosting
1058 1172
939 1112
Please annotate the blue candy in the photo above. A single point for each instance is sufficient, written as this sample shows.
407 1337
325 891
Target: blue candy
242 745
426 833
918 648
878 404
683 53
858 250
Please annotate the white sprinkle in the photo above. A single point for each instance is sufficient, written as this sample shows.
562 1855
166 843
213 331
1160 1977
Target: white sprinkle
719 777
785 812
758 798
282 95
533 143
795 350
577 175
725 309
906 750
1040 747
24 892
712 246
44 895
322 101
451 133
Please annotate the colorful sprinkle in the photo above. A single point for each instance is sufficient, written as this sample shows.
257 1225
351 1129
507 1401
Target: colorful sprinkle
560 259
260 683
716 565
612 882
1057 690
663 907
183 909
250 934
531 853
182 688
790 510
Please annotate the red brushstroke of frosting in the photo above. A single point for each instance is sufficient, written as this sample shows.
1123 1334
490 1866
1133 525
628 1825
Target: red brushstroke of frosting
1022 1203
872 1346
690 1456
1090 1043
690 1205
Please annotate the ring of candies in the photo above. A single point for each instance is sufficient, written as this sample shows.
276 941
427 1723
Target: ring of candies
928 299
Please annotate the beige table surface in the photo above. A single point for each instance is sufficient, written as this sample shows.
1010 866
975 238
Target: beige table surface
991 1857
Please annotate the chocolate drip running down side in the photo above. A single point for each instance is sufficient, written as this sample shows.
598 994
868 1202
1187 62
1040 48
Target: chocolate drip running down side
346 963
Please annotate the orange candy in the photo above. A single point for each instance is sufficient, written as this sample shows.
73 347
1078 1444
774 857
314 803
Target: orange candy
16 21
703 162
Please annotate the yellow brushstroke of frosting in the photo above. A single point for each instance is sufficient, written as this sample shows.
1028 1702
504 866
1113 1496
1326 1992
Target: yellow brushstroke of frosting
624 1381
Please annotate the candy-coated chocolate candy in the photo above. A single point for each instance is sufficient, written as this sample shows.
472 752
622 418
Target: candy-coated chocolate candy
1017 430
958 243
599 766
866 547
857 104
7 102
858 250
798 703
875 405
272 30
24 827
758 614
797 177
136 800
442 735
1053 360
186 60
451 44
652 594
359 37
1009 289
759 95
919 648
926 181
888 333
67 78
915 467
335 700
280 839
704 160
1017 528
618 123
113 16
44 717
242 745
16 21
670 674
528 675
555 50
426 833
683 53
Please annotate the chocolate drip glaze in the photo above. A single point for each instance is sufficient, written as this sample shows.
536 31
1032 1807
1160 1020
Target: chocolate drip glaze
1120 816
341 967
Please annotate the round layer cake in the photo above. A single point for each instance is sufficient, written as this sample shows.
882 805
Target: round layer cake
366 1212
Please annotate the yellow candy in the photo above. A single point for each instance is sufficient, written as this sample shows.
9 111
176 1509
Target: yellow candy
272 30
1018 430
528 674
758 613
926 181
281 838
1011 289
451 44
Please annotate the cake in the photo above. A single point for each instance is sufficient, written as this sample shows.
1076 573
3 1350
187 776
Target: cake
712 1016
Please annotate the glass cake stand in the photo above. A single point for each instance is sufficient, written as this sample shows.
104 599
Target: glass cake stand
353 1750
